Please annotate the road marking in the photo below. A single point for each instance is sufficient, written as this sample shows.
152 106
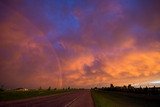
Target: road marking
67 105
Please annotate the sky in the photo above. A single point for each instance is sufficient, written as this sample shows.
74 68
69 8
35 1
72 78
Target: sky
79 43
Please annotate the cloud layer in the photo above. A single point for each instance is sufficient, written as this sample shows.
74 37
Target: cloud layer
83 43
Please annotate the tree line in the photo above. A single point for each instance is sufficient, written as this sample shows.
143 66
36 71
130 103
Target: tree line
130 89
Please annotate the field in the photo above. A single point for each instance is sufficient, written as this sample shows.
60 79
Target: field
116 99
14 95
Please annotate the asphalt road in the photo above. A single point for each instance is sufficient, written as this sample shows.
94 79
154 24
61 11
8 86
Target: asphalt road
72 99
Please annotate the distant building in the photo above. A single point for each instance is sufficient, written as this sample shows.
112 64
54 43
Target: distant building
21 89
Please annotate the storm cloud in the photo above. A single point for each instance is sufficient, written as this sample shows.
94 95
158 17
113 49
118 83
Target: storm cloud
77 43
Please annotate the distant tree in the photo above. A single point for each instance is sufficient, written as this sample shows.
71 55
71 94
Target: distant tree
129 86
124 88
40 88
69 88
140 90
140 87
2 88
154 90
111 86
95 88
145 90
49 88
55 88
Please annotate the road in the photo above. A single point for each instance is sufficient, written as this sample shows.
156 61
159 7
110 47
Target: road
80 98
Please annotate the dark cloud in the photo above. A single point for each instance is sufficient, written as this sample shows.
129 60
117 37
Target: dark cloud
95 68
45 40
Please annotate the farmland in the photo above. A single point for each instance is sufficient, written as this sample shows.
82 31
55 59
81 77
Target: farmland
15 95
123 99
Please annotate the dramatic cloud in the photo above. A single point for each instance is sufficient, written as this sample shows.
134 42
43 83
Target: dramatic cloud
79 43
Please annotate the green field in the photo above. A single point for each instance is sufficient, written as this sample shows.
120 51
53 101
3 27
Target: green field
14 95
114 99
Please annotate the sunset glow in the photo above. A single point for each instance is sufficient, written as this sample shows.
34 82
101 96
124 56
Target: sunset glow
79 43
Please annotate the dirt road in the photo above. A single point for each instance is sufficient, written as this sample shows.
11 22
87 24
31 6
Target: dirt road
73 99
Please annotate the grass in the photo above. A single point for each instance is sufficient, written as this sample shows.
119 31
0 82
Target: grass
14 95
114 99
